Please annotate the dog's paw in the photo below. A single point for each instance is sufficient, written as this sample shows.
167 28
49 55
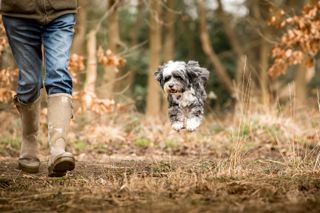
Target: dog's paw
177 125
192 124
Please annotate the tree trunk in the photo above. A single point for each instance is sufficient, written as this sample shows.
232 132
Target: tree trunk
317 63
207 48
232 36
81 27
134 32
134 35
303 77
313 2
241 76
110 72
264 77
261 12
300 86
168 46
91 73
153 93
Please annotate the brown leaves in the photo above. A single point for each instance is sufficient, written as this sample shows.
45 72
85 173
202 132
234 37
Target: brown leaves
7 76
75 65
101 106
108 58
6 95
3 44
276 17
91 102
88 99
7 79
300 42
3 38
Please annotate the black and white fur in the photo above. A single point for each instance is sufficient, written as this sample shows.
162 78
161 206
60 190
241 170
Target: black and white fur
184 85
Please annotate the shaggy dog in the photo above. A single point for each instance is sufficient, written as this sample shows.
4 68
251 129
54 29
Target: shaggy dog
184 85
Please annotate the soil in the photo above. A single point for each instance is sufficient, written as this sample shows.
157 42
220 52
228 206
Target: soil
156 184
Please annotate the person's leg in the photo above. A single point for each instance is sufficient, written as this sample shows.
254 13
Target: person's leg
57 40
25 41
24 37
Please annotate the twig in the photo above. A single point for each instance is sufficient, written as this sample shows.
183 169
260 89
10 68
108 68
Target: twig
131 49
123 90
170 9
15 178
107 13
115 80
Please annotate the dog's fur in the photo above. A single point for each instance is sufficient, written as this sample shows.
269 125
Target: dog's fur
184 85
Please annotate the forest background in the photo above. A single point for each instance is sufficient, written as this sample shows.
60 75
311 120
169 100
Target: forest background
257 148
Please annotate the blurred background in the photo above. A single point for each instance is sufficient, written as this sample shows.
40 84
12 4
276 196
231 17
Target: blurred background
119 44
262 57
257 148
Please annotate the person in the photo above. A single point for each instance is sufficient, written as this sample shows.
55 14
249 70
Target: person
41 32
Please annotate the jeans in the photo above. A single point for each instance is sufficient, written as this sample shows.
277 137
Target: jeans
26 38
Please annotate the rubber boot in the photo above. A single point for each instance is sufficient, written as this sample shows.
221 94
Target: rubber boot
59 115
28 160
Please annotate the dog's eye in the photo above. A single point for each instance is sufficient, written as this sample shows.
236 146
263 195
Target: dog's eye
178 77
167 78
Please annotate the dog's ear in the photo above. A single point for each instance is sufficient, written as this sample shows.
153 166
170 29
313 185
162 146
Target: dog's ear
204 75
158 75
196 73
192 70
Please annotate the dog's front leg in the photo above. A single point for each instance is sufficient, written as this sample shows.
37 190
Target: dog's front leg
176 117
194 117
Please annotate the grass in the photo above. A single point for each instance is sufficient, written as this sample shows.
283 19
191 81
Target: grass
170 144
143 143
245 162
189 185
9 145
79 145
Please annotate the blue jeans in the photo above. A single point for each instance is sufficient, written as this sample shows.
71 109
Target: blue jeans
26 38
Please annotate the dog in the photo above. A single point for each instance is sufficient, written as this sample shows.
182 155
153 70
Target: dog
184 85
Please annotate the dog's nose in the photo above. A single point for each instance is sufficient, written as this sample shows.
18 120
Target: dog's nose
171 86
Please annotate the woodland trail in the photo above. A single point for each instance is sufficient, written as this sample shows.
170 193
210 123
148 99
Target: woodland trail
161 184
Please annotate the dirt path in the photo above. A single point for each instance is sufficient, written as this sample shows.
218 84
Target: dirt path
163 184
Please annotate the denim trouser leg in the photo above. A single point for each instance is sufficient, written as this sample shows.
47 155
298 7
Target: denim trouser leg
25 41
26 37
57 40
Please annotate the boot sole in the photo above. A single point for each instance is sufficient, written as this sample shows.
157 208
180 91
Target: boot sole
61 166
28 169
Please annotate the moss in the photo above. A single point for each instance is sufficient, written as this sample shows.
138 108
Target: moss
80 145
142 143
170 144
9 146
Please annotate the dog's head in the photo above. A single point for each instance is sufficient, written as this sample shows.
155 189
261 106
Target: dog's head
173 77
178 76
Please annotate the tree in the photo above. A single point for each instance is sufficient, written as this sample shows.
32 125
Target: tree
260 13
233 39
168 46
110 72
153 93
209 51
81 28
169 38
299 44
91 72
